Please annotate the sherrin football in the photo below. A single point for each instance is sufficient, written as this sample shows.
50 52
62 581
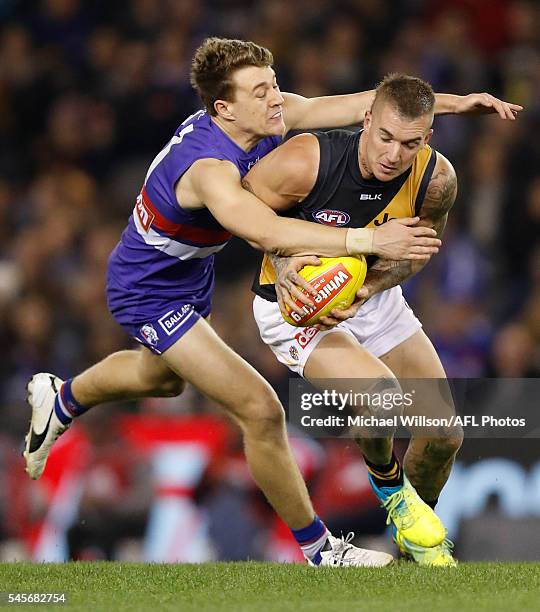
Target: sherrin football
336 281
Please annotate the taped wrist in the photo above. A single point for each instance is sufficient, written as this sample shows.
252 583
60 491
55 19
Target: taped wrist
359 241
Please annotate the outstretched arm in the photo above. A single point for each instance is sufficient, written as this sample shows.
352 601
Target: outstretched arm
287 175
217 184
339 111
475 104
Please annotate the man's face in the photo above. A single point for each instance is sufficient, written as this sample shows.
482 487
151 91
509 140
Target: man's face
392 141
258 104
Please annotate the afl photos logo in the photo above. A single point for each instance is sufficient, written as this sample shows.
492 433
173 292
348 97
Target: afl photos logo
331 217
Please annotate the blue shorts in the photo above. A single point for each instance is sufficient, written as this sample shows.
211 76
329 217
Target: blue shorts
161 332
156 322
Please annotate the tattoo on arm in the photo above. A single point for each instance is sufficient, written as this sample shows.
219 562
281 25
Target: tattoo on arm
278 262
440 196
385 274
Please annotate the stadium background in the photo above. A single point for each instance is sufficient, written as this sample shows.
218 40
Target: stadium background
89 92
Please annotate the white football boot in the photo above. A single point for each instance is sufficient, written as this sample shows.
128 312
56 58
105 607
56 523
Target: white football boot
45 427
339 552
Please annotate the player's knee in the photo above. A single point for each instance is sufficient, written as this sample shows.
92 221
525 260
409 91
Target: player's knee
263 414
386 398
448 445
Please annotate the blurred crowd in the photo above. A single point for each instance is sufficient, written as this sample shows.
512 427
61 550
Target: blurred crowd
91 90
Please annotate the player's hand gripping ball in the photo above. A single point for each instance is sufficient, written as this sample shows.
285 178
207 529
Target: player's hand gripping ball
336 281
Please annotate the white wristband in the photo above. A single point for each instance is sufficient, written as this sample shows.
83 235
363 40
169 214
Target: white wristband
359 241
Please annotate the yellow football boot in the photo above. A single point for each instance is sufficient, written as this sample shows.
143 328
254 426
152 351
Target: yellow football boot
411 516
437 556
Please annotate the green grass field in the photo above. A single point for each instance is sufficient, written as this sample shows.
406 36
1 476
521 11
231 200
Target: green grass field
238 587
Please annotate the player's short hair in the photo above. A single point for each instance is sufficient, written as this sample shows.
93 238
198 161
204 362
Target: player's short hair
216 60
412 97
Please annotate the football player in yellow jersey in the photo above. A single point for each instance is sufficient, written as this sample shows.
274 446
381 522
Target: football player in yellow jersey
387 171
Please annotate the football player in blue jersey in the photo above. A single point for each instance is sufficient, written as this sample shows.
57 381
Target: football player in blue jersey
160 275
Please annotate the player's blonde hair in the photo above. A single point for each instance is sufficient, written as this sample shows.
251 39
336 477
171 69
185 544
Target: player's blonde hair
216 60
412 97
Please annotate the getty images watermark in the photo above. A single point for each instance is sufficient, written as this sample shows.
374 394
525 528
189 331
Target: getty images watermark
420 407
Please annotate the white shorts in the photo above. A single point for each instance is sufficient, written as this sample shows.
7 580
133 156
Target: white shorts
380 324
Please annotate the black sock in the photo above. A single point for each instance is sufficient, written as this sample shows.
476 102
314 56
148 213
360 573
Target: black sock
389 475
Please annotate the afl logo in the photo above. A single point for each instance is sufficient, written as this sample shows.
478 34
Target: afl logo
332 217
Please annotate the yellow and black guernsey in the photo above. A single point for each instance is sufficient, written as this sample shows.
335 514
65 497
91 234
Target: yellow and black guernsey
341 197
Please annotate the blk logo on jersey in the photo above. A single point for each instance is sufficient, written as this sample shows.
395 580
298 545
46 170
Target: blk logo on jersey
331 217
371 196
144 215
174 319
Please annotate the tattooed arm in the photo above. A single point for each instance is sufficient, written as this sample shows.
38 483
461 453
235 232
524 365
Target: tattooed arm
384 274
288 281
440 197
